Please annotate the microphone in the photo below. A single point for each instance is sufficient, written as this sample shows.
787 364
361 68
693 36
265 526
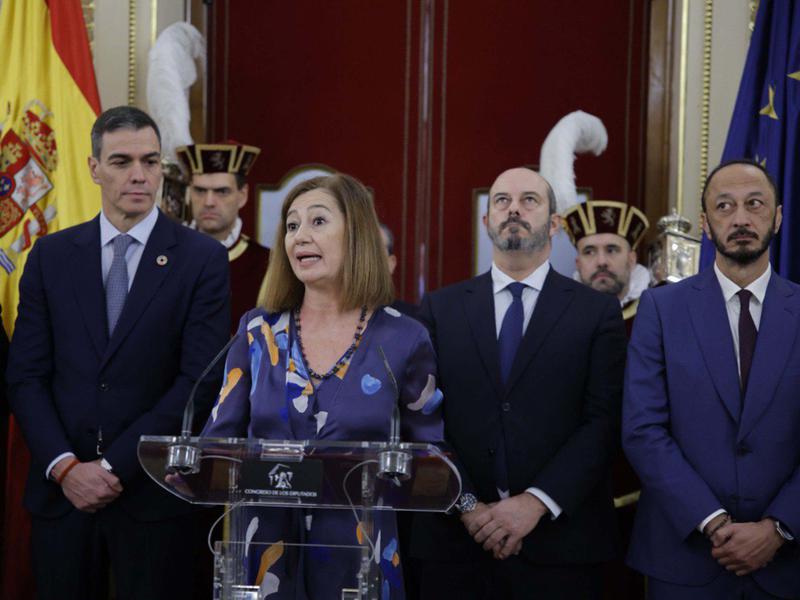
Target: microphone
394 463
183 457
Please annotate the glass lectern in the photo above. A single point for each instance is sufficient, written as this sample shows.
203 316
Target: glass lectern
362 477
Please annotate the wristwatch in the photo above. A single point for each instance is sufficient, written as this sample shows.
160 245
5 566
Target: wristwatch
467 503
783 532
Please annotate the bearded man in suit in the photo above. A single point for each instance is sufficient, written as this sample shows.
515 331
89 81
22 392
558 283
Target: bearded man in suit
531 366
711 419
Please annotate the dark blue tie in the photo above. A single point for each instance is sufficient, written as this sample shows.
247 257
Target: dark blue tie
511 330
510 337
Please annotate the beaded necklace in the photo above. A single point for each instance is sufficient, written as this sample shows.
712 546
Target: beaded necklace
345 357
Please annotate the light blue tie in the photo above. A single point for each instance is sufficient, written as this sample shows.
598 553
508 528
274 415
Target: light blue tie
117 282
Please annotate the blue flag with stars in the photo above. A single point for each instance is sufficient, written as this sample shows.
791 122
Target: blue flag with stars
765 125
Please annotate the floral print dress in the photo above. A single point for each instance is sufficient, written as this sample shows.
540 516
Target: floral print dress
266 393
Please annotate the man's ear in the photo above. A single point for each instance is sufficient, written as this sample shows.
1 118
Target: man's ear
555 223
245 192
93 163
632 259
704 224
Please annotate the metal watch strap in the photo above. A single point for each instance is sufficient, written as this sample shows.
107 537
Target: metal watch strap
782 531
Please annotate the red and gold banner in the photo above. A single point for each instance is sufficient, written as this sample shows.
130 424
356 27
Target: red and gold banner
48 103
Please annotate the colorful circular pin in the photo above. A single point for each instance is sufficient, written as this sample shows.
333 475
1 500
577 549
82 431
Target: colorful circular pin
161 260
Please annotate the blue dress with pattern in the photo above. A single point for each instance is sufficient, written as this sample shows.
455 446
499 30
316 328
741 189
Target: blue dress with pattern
266 393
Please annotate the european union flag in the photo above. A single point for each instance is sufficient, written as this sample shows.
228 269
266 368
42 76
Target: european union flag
766 122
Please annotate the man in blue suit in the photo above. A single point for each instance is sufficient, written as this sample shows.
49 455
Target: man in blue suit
711 418
117 318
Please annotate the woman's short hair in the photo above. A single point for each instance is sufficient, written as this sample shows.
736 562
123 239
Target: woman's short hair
365 277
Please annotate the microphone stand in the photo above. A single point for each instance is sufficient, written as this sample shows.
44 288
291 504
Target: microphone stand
394 463
183 456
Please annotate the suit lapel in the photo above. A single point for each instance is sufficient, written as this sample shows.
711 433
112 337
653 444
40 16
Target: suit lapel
149 277
87 282
776 334
553 300
479 306
711 324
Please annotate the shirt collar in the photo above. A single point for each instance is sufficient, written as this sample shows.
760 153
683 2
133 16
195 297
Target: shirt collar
535 280
139 232
233 237
757 287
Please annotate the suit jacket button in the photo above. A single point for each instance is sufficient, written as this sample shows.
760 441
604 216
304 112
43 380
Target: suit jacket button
103 387
505 406
742 449
491 451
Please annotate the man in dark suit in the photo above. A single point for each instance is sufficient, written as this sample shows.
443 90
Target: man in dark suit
711 412
531 367
117 318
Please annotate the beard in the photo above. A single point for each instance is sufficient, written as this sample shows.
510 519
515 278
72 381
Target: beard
616 286
743 256
514 242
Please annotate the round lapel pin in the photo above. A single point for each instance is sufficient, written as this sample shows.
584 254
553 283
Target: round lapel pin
161 260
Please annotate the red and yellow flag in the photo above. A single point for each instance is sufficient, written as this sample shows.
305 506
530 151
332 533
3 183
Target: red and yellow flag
48 103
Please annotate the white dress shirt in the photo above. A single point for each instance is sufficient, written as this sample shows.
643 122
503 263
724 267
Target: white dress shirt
140 234
502 301
732 306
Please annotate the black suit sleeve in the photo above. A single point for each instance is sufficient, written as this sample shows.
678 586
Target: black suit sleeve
583 461
30 367
425 315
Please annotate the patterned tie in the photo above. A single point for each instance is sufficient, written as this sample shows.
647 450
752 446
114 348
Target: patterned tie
117 282
511 330
747 336
510 337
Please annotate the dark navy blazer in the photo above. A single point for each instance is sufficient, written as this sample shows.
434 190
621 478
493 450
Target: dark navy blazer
559 413
68 381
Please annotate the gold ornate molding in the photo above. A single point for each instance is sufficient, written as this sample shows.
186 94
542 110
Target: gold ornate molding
684 51
131 52
153 21
708 19
753 11
88 19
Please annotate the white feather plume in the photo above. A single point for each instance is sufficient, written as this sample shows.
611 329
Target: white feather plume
171 73
576 133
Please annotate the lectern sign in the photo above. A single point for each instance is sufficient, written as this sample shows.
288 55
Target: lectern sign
276 479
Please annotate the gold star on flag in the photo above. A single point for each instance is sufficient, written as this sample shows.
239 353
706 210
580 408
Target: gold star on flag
761 161
769 109
795 75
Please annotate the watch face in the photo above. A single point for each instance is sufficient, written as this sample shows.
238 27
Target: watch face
466 503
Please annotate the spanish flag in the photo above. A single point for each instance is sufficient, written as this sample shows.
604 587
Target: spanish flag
48 103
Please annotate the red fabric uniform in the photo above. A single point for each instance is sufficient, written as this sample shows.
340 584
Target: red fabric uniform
248 261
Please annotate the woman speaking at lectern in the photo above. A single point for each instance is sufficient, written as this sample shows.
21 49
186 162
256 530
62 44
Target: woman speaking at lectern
309 365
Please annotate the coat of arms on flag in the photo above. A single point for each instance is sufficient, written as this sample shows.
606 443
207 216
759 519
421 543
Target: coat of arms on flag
28 156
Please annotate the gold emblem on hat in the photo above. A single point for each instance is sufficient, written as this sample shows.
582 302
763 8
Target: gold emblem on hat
162 260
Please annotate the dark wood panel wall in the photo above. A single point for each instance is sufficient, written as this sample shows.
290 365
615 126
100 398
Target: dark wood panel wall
426 100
